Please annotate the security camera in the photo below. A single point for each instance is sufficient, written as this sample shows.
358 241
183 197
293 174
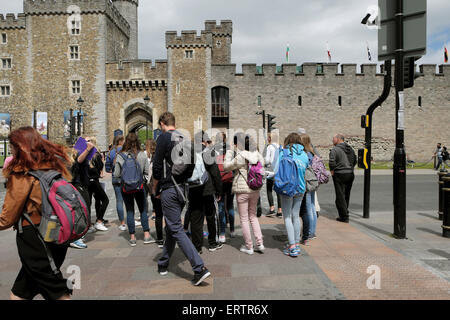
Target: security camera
371 16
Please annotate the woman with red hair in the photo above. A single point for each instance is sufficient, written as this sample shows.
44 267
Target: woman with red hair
23 194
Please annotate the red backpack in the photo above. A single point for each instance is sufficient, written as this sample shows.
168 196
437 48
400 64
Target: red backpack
227 177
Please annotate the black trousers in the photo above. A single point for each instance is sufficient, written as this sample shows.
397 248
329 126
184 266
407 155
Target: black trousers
343 186
200 207
157 207
100 196
269 184
84 191
36 275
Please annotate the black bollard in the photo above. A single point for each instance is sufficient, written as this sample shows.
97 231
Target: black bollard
446 208
441 194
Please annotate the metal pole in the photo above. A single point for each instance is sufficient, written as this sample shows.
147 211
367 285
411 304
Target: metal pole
368 142
78 124
71 126
264 119
399 155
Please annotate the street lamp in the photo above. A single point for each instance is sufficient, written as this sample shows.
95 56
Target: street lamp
80 102
146 102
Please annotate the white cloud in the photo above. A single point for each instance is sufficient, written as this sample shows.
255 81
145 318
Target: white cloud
262 28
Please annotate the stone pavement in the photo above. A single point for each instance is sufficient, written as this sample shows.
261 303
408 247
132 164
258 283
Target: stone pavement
334 266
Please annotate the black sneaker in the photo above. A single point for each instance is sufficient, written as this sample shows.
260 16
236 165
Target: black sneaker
215 246
342 220
271 213
162 270
259 213
279 215
200 251
105 221
160 243
199 277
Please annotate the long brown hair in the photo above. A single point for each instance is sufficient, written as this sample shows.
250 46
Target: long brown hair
306 142
132 143
291 139
150 147
31 151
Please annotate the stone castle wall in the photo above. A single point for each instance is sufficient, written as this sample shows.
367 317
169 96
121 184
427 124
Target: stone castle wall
320 114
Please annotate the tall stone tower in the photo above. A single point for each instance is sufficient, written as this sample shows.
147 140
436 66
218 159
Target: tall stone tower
222 36
129 10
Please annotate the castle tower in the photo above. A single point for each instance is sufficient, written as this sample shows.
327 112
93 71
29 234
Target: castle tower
222 38
129 10
189 78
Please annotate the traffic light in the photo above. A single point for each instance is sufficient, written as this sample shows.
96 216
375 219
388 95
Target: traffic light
409 72
270 122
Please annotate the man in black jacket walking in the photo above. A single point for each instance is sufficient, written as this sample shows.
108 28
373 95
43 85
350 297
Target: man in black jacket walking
342 164
202 197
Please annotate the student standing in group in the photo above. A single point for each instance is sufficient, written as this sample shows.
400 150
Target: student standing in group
226 202
290 183
80 180
96 189
23 194
271 152
204 187
136 162
308 208
238 160
171 190
342 163
156 202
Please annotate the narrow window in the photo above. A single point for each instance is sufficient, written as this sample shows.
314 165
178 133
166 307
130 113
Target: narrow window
259 101
76 26
299 101
189 54
74 52
6 63
220 102
5 90
4 38
340 101
178 87
419 101
76 86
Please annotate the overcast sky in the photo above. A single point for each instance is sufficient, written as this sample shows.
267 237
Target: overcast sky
263 28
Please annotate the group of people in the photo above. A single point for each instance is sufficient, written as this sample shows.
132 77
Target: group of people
441 156
203 188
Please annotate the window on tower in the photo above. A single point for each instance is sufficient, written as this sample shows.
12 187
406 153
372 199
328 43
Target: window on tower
189 54
220 102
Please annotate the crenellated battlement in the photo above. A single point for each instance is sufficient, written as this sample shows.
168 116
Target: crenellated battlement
225 28
59 7
12 22
318 69
136 74
135 2
188 38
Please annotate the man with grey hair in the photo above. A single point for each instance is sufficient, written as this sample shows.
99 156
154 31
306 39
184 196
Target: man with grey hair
342 164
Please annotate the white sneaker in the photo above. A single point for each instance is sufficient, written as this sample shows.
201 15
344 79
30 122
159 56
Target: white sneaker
137 223
246 250
123 227
222 239
100 226
260 248
232 235
92 229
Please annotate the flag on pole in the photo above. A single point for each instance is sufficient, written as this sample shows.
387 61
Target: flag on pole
329 53
368 52
287 53
445 55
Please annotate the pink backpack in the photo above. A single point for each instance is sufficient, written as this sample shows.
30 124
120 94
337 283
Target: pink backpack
255 176
322 174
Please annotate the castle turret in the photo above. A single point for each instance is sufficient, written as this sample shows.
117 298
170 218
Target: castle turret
129 10
222 39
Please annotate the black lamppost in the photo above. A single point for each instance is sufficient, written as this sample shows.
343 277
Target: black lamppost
146 101
80 102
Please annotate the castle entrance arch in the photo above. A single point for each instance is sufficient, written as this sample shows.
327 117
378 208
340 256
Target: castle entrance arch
138 117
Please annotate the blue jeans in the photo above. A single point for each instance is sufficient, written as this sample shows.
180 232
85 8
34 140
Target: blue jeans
226 205
140 198
119 201
291 207
309 216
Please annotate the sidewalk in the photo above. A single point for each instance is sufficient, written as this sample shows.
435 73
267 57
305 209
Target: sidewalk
389 172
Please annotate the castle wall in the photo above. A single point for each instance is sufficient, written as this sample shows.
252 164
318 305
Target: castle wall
17 104
129 82
320 114
129 10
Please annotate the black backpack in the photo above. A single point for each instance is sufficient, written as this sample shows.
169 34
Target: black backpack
182 162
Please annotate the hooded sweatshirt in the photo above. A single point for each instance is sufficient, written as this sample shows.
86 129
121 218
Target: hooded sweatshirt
238 162
342 158
302 160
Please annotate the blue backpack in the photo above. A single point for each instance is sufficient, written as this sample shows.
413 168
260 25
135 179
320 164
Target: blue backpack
132 178
286 180
109 163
